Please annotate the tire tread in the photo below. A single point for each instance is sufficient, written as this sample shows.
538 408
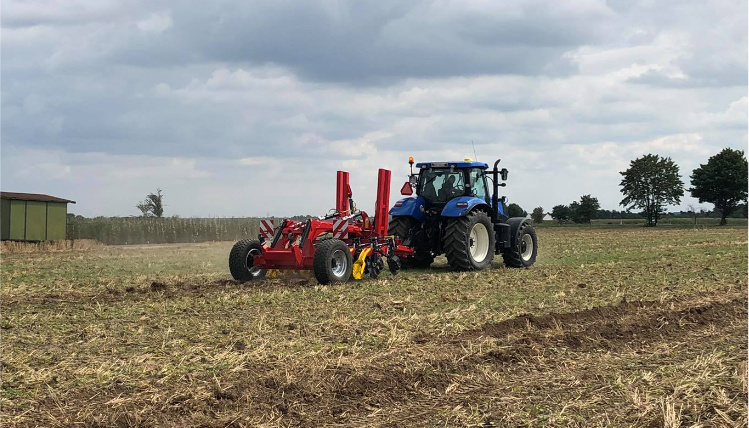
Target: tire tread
456 241
238 259
400 226
512 258
323 250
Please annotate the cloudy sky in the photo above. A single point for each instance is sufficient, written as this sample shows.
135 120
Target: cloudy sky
239 108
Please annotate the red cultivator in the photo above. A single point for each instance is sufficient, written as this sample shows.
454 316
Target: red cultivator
347 242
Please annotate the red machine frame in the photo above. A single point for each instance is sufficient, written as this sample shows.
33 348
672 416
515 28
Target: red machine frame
293 243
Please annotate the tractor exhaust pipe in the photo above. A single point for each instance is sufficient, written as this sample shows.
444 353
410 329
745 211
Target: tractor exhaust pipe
496 175
495 195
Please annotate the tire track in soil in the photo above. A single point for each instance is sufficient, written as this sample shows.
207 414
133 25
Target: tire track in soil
350 397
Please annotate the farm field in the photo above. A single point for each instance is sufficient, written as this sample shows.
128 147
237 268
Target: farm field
611 327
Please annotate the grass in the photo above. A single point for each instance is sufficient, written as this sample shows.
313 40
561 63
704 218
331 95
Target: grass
668 222
633 326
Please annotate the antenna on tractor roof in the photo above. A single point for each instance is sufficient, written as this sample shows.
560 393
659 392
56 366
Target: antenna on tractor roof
475 156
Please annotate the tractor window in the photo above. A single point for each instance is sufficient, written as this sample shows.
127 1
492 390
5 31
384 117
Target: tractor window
478 184
441 185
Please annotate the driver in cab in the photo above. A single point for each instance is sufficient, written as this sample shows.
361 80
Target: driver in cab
447 189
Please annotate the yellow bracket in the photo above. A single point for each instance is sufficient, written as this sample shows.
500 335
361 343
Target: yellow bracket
358 271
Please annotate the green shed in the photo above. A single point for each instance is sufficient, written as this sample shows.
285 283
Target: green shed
33 217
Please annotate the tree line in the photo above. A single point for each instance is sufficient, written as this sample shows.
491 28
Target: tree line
652 183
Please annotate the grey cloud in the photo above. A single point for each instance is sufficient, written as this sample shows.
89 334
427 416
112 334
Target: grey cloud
365 46
356 42
317 86
72 12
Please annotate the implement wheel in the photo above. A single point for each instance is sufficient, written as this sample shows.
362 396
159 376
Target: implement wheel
241 260
523 253
469 241
333 262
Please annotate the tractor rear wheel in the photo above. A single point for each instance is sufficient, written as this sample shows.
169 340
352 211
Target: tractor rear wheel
523 253
469 241
400 227
332 262
241 260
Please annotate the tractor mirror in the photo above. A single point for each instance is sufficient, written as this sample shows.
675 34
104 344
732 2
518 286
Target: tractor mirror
407 190
504 172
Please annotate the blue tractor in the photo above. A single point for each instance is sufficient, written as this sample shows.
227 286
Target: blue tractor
452 213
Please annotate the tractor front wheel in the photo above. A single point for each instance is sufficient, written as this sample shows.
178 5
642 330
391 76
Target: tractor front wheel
332 262
523 253
241 260
469 241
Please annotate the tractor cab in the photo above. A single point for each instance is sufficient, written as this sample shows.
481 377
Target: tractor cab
440 182
449 186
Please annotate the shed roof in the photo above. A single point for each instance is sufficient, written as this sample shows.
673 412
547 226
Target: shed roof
33 197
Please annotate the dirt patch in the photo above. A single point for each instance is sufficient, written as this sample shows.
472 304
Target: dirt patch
349 393
158 286
556 320
606 327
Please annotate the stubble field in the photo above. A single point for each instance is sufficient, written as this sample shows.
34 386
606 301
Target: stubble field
611 327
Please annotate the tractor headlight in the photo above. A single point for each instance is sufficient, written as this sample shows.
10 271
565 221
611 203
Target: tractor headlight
414 180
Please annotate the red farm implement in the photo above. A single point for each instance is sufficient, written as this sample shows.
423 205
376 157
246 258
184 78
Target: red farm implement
347 242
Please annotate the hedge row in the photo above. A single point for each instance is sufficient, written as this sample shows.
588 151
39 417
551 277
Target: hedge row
152 230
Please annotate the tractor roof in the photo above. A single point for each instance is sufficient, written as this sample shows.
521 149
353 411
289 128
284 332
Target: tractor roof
456 164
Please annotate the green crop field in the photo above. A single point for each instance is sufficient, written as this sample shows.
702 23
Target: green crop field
612 327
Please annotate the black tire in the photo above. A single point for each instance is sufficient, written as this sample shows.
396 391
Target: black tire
400 226
241 260
327 262
518 256
458 242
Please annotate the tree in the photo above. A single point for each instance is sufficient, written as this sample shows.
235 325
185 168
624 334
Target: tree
144 208
587 209
560 213
741 211
722 181
574 212
153 205
538 215
514 210
651 183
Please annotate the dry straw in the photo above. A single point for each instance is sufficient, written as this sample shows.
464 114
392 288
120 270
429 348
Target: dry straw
38 247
